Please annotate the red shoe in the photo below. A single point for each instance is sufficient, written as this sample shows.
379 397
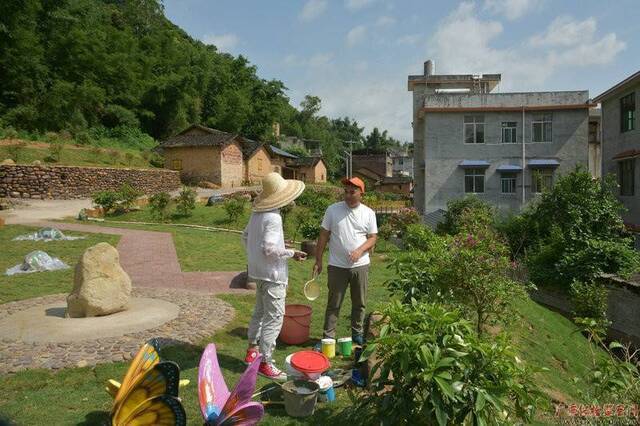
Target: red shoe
270 371
252 355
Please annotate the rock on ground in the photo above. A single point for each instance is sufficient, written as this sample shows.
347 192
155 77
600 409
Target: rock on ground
101 286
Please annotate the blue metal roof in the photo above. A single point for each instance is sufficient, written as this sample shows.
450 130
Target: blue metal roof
473 163
543 163
280 152
509 168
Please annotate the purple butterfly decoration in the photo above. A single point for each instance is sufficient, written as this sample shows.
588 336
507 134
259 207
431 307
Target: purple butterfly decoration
219 406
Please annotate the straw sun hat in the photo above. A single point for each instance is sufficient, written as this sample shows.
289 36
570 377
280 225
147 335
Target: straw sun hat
277 192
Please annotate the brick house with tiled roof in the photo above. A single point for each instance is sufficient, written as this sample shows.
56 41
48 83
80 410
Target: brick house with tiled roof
257 160
309 169
200 152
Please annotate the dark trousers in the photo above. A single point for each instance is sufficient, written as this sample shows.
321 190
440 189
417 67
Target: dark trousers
338 281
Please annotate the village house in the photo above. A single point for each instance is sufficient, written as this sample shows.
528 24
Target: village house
201 153
377 161
621 142
257 161
504 147
308 169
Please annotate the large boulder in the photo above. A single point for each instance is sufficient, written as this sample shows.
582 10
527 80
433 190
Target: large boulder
101 286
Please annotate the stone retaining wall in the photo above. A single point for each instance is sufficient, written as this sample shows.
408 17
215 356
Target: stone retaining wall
67 182
623 303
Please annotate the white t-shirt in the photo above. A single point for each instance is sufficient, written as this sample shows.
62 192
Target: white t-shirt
349 229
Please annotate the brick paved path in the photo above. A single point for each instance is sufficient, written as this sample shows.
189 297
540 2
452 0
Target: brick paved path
150 259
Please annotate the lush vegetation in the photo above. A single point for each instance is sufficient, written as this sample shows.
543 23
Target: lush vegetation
434 370
120 201
120 70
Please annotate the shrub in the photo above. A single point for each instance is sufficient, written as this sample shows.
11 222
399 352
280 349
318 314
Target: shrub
435 370
65 136
156 160
590 301
578 232
129 157
186 201
10 133
234 207
83 138
55 151
159 205
127 195
106 199
397 223
473 208
51 137
518 232
420 237
469 270
310 230
16 150
316 200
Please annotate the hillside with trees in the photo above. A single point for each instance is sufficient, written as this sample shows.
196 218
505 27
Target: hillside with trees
120 68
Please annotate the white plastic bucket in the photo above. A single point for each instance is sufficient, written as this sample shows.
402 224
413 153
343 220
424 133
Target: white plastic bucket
292 373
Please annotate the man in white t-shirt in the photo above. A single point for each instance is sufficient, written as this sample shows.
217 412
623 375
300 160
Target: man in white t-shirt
350 228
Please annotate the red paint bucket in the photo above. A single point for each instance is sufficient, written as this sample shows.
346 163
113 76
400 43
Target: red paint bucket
296 324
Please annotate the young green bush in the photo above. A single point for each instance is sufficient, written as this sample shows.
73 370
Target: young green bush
234 207
186 201
83 138
127 195
434 370
465 209
106 199
129 158
159 205
316 200
156 160
310 230
397 223
55 151
9 133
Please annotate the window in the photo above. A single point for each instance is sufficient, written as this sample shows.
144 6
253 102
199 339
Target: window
626 173
542 180
474 181
509 131
541 128
473 129
176 165
627 112
259 164
508 183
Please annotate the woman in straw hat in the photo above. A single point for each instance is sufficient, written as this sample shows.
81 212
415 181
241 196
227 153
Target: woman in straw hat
267 257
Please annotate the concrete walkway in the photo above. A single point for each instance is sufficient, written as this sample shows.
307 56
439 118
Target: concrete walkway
151 260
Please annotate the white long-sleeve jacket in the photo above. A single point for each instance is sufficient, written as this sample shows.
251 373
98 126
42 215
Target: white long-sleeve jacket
263 240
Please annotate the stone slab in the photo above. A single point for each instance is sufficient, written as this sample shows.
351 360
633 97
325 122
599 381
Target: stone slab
47 323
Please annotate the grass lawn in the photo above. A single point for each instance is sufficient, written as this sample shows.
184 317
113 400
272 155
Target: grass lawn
24 286
76 396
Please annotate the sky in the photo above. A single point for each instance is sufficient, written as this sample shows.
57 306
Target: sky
356 55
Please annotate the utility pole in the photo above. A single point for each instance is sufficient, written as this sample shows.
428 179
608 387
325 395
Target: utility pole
347 163
350 154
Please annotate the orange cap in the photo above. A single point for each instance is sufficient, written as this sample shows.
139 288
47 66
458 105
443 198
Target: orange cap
355 181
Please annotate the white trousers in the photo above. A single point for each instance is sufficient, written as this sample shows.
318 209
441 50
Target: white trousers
268 314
